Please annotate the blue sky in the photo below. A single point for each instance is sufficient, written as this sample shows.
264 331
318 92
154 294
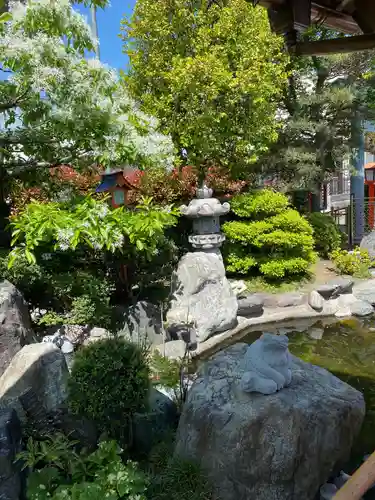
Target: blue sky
109 28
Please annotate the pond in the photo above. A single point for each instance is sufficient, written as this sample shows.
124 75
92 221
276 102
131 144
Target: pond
347 349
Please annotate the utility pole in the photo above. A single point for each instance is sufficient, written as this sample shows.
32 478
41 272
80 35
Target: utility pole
94 27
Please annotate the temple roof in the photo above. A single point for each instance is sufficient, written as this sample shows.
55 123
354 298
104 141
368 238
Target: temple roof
346 16
350 17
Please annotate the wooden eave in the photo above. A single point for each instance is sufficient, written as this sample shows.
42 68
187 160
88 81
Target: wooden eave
350 17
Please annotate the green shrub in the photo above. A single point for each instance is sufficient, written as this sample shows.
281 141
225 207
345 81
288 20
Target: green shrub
87 222
259 204
271 238
30 279
355 263
57 472
68 257
72 287
108 384
327 235
182 480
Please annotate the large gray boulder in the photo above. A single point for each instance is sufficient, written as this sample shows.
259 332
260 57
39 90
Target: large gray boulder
141 323
10 446
202 294
252 305
40 367
277 447
15 327
365 290
156 424
336 287
368 243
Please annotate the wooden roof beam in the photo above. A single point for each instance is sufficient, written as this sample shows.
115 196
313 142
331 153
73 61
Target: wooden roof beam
364 15
335 46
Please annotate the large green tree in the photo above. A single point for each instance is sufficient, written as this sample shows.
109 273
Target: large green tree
320 114
211 71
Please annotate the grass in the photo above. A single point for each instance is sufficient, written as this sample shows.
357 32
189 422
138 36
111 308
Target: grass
261 284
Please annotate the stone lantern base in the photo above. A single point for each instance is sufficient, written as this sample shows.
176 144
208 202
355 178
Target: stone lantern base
202 295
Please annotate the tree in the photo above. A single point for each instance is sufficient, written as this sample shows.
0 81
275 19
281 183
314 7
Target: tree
212 72
324 98
59 107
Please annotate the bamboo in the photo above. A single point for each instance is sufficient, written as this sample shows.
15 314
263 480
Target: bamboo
360 482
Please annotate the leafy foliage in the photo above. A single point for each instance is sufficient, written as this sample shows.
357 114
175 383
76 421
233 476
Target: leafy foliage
77 293
89 222
274 240
109 383
212 72
321 113
60 106
169 373
327 235
260 204
355 263
69 256
181 183
180 479
59 473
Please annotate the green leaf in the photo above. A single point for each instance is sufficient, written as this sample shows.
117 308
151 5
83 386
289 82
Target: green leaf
5 16
30 256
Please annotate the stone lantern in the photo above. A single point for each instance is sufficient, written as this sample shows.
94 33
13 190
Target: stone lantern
205 212
203 302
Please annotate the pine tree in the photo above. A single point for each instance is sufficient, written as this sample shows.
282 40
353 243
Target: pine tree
323 103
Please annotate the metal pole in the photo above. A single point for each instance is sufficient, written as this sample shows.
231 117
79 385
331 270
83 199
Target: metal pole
94 27
357 181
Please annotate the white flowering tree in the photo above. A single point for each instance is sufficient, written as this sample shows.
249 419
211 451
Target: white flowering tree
58 106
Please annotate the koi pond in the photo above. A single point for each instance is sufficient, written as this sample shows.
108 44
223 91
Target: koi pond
347 349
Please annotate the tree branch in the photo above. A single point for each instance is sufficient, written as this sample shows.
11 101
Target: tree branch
13 104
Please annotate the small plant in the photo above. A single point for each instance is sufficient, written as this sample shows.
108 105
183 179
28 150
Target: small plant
57 472
327 235
355 263
108 384
182 480
171 373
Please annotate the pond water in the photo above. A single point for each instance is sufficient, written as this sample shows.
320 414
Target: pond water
347 349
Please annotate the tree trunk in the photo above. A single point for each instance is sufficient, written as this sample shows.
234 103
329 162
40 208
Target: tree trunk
316 201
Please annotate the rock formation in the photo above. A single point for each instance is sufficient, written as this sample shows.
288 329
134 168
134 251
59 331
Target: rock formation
15 328
202 294
281 446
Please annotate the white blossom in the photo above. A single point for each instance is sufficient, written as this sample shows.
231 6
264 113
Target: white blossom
64 237
102 211
118 239
73 94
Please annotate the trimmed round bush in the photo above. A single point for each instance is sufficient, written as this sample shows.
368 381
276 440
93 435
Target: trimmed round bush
109 383
269 237
327 235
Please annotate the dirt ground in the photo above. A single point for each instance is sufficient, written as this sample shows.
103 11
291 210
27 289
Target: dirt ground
323 272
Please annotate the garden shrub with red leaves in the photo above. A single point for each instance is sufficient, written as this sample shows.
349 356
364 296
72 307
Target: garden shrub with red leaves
180 185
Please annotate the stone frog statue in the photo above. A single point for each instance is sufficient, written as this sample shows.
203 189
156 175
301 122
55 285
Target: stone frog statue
266 365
